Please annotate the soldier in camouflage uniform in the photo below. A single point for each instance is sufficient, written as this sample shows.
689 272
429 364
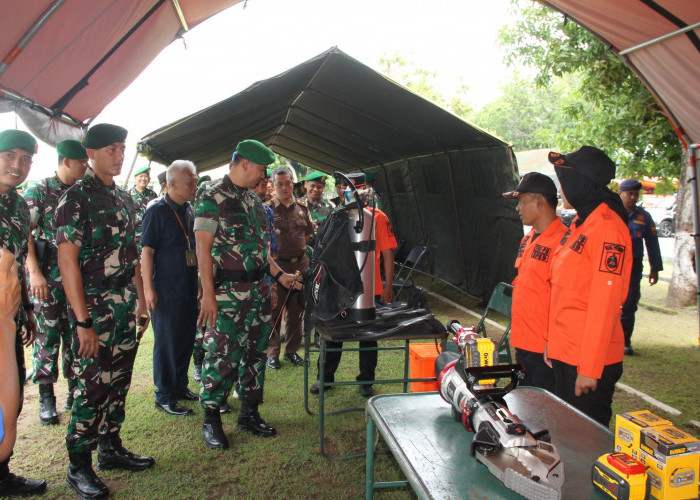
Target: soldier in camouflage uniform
319 207
45 278
16 150
142 195
98 260
232 253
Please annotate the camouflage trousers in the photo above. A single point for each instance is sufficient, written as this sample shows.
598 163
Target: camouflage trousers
53 329
103 381
235 348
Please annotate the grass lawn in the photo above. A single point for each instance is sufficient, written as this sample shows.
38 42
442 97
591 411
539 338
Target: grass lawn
665 366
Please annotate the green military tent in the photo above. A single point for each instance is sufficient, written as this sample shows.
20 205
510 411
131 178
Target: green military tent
439 177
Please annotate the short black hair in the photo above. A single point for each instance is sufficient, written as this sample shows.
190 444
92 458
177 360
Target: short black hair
551 200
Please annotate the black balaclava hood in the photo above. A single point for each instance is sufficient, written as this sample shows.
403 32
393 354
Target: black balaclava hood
584 175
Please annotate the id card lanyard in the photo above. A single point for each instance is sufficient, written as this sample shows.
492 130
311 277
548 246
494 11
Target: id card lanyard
190 253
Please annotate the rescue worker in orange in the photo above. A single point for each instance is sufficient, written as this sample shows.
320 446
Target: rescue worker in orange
537 205
590 279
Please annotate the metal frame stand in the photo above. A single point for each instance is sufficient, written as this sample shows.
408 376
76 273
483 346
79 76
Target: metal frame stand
323 349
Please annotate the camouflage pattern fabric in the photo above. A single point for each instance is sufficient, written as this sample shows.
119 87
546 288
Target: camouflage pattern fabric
140 203
235 347
14 227
14 237
53 327
100 220
318 210
103 382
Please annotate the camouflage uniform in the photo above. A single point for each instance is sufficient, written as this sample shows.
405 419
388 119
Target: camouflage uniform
319 211
53 327
140 203
100 220
236 346
14 237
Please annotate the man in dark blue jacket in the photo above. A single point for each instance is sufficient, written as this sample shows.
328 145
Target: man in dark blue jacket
642 230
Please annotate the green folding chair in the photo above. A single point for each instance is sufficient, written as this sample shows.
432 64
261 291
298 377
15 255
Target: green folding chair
500 301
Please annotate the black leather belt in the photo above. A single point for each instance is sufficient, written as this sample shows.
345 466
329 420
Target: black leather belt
113 282
225 275
292 260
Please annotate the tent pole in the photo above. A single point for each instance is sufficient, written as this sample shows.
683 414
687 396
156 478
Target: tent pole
27 37
131 169
660 39
696 223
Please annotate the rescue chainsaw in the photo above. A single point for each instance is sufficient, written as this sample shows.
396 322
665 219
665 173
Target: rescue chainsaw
526 462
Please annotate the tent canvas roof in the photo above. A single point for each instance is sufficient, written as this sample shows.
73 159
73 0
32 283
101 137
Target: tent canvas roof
330 112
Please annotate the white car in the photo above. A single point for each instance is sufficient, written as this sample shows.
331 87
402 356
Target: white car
663 216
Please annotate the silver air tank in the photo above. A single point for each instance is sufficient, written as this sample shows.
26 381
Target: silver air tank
363 245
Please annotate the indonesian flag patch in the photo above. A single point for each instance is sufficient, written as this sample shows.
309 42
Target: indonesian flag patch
612 258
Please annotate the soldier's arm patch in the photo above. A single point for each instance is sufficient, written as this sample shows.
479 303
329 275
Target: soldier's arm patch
611 258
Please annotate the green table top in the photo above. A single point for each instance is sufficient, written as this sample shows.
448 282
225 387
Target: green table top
432 448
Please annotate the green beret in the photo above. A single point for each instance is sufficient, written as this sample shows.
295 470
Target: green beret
255 151
102 135
316 176
268 173
11 139
141 170
71 149
203 178
369 177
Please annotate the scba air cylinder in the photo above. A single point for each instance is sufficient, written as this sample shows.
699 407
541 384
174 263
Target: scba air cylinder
364 247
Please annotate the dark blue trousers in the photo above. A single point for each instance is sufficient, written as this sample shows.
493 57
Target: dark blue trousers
633 296
174 326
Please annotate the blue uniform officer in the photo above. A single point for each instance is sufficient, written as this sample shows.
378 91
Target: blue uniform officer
643 231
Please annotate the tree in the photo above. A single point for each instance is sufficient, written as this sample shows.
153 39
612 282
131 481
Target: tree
611 107
421 82
527 115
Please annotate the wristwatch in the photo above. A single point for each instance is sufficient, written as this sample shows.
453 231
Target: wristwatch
85 324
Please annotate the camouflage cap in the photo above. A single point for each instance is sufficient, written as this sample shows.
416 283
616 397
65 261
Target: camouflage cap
255 151
71 149
104 134
17 139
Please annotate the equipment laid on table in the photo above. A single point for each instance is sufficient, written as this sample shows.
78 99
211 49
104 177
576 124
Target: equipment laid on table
620 476
525 462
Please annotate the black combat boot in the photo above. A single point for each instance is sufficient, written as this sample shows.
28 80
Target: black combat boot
82 479
47 405
112 455
18 486
212 430
627 329
72 385
249 420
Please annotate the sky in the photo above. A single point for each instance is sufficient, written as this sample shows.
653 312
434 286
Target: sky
244 44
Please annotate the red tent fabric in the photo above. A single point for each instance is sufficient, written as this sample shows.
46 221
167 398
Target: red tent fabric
72 58
669 67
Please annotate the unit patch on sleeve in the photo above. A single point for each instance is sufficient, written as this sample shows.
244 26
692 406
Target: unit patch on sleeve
611 258
577 246
541 253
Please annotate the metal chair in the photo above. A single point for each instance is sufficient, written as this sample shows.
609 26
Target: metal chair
500 301
409 264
